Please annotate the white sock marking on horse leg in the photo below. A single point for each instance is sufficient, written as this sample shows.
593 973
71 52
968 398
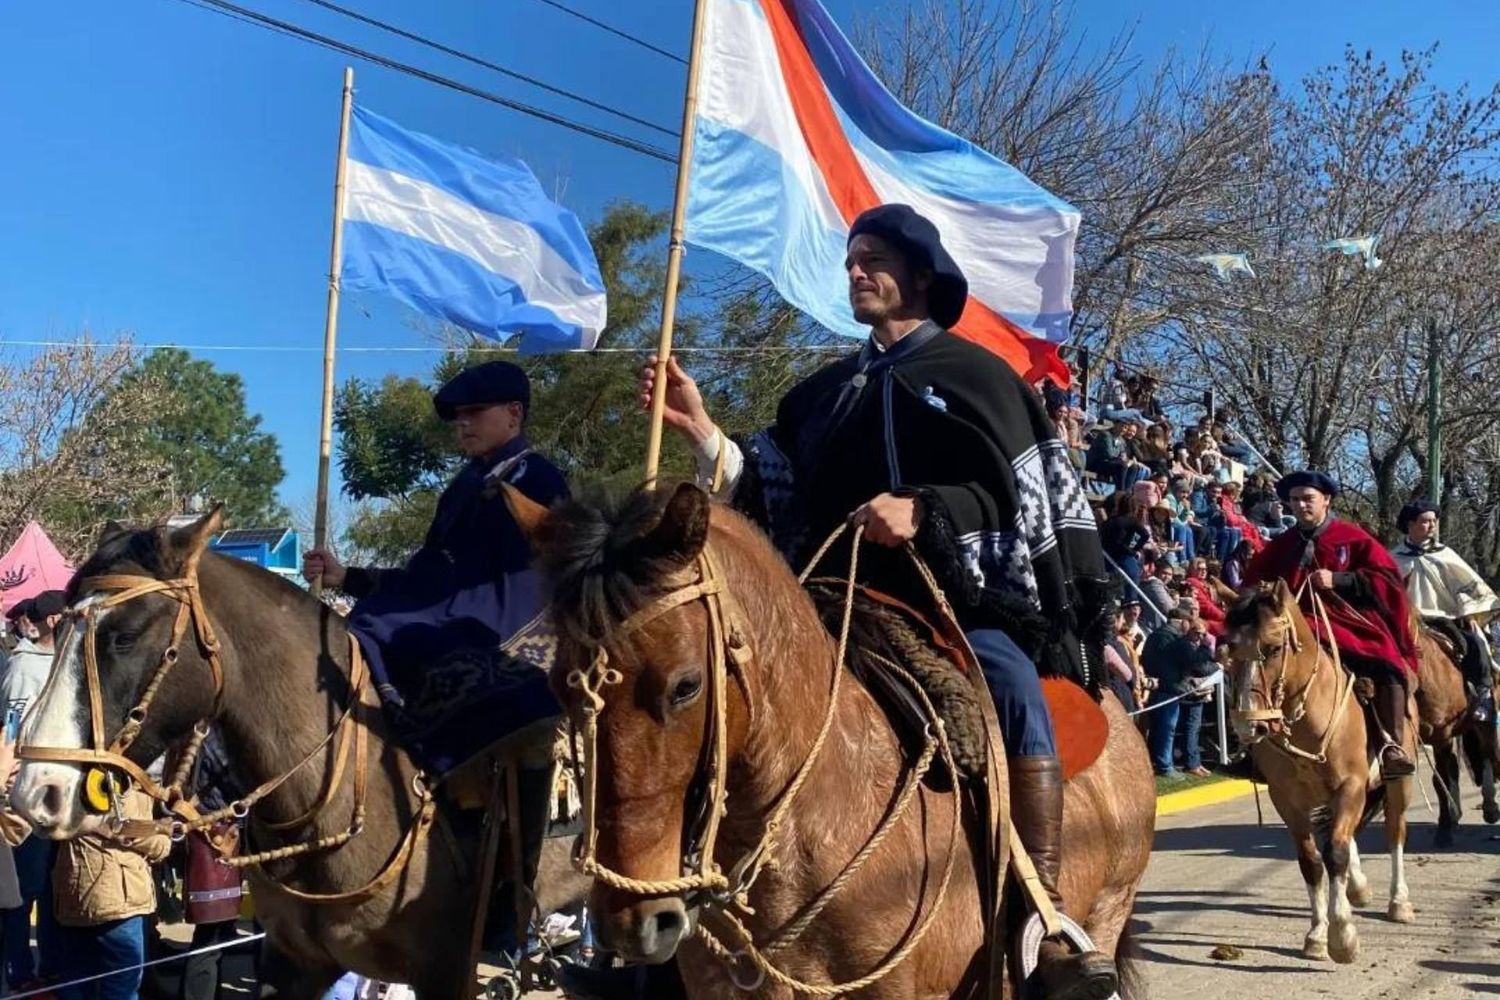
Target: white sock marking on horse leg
1317 897
1343 939
1359 883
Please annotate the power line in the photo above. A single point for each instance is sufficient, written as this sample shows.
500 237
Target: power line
223 7
485 63
613 30
423 349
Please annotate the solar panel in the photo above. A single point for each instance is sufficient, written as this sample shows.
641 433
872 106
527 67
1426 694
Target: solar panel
252 536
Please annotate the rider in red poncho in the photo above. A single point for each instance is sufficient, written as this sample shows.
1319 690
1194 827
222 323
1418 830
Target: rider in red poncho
1362 592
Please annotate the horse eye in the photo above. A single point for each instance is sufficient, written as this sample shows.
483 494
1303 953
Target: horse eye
686 690
122 640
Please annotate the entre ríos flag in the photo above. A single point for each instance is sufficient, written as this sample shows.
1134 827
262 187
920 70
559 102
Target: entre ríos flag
795 136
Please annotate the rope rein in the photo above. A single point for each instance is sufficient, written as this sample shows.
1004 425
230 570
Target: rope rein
725 896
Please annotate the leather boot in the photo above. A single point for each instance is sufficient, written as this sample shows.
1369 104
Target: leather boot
1036 809
1390 710
1477 671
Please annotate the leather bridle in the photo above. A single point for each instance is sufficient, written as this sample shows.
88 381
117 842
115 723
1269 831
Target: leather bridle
1282 711
184 815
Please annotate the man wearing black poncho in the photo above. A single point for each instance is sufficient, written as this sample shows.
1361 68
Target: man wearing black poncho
929 438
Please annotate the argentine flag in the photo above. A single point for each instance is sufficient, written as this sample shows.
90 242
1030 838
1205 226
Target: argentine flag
469 239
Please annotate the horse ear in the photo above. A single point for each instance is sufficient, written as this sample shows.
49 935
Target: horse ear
682 532
108 533
528 514
190 541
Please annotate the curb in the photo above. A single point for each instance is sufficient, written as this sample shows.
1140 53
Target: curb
1204 795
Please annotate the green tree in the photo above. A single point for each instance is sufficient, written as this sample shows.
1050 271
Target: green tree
206 437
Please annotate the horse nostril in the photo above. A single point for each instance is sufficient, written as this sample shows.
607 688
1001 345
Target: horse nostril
52 801
670 923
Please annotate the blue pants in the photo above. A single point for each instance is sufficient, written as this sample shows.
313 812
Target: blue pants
1182 534
1025 720
1191 714
88 951
1163 730
34 874
1131 564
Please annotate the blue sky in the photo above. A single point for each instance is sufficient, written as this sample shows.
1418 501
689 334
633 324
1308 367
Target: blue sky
168 171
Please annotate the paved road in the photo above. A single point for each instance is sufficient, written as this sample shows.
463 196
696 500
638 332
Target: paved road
1218 878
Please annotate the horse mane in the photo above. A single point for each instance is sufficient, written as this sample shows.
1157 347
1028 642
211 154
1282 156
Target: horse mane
588 549
146 549
1246 611
141 547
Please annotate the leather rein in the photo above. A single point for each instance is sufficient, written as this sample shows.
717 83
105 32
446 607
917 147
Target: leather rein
184 815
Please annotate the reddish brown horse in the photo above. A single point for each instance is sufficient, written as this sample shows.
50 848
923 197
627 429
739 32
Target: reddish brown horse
1297 712
709 669
1443 714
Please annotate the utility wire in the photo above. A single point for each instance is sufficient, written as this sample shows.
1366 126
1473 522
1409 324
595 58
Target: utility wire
421 349
239 13
485 63
613 30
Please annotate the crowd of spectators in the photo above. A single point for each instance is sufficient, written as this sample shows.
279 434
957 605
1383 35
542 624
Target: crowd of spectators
1182 509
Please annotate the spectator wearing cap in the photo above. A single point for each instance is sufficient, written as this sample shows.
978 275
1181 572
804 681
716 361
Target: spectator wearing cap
30 664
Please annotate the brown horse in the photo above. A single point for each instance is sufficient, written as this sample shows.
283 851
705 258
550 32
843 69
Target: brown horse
1297 712
286 665
1443 714
652 597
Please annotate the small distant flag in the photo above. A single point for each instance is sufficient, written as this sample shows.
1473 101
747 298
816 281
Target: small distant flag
795 136
1358 246
467 238
1225 264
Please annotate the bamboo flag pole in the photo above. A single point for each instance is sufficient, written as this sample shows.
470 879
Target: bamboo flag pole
674 251
331 325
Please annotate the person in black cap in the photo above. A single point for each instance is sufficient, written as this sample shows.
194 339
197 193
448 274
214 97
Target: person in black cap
925 437
1451 598
1364 599
433 629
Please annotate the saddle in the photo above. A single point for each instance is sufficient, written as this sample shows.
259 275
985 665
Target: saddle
885 631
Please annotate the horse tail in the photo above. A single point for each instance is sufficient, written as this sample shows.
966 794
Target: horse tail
1374 802
1128 964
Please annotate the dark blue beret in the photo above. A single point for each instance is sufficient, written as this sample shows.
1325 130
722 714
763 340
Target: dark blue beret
918 238
1414 510
45 605
1320 481
483 385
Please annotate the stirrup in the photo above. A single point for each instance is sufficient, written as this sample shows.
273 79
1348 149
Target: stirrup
1034 932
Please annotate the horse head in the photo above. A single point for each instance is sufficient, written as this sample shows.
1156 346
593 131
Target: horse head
1266 632
130 672
650 667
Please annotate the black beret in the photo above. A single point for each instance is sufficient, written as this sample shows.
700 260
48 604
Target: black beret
46 604
483 385
1320 481
19 609
918 238
1414 510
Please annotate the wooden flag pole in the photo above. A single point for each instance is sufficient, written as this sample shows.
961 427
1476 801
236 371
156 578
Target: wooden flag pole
674 252
331 326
